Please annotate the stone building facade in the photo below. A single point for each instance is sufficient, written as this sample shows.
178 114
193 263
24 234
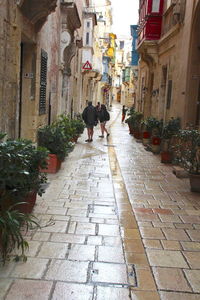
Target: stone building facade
169 69
40 53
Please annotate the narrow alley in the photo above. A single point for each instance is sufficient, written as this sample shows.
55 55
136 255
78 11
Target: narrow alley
116 224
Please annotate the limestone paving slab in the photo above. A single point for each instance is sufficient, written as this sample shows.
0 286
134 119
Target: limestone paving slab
114 293
166 258
4 286
29 289
81 252
68 271
171 279
69 291
109 273
178 296
110 254
34 268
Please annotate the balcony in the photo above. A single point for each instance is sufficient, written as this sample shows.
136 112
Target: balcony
37 11
150 20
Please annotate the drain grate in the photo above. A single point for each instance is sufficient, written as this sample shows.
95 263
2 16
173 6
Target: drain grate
113 274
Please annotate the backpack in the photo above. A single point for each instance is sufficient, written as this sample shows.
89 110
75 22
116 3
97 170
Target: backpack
107 115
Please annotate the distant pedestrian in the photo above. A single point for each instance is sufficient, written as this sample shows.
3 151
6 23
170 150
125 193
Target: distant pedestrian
103 116
124 110
89 116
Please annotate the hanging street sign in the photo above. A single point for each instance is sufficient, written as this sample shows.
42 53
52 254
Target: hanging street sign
87 66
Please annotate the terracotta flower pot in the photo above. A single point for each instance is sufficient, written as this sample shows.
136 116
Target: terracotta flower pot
146 135
30 200
130 129
155 140
136 134
166 157
53 164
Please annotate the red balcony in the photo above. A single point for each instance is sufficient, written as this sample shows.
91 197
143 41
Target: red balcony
150 20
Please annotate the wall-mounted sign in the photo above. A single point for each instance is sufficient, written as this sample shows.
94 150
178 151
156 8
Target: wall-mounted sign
87 66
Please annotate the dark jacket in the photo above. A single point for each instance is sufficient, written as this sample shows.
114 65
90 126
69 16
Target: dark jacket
89 115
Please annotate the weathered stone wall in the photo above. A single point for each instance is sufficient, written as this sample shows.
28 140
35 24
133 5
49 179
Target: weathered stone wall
173 52
9 87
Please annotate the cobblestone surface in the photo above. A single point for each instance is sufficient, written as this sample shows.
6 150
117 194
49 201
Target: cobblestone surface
116 224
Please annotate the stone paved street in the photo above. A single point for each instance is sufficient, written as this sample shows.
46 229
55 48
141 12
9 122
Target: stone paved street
116 224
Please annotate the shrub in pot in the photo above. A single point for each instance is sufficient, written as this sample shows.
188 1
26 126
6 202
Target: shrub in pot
170 129
188 155
53 138
65 124
155 128
79 126
12 222
134 121
19 172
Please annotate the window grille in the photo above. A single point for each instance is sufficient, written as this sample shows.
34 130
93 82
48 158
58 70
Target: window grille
43 82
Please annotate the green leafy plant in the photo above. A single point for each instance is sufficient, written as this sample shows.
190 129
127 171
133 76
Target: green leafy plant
187 150
64 123
12 222
78 125
171 128
2 135
53 138
153 125
20 162
134 118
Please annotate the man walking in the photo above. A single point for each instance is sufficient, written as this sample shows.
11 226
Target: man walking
89 116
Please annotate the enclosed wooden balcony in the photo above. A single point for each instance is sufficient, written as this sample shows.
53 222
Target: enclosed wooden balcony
150 20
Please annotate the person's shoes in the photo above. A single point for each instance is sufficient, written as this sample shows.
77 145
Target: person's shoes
87 140
108 134
90 140
101 136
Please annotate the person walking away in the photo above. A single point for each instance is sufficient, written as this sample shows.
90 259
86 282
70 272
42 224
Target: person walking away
98 107
124 110
103 116
89 116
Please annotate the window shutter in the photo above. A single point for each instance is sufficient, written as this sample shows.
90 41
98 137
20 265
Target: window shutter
43 82
169 93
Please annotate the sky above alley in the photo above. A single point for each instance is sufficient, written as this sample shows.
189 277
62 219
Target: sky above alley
125 13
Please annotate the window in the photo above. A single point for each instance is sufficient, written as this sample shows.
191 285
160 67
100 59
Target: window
43 82
88 24
87 38
169 94
155 6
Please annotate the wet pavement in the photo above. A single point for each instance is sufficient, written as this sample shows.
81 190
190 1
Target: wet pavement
116 224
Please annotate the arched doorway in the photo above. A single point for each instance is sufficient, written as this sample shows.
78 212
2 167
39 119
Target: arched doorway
193 83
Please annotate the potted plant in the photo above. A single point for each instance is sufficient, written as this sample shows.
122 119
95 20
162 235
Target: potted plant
20 178
12 222
146 131
129 120
155 128
65 124
134 122
79 126
53 138
170 129
188 155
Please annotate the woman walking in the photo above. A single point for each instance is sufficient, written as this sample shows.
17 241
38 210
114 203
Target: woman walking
124 110
103 116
